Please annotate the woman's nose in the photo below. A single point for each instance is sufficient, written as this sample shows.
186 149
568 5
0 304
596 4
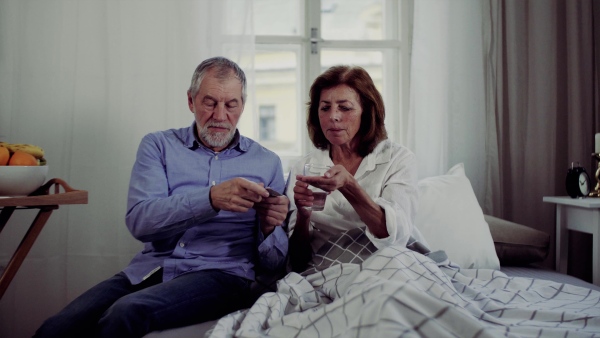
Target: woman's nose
335 114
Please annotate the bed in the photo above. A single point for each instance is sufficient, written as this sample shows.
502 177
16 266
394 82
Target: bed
475 277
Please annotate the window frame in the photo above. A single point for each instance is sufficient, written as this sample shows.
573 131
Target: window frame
396 62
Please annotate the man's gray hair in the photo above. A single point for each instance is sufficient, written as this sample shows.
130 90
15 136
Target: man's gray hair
223 68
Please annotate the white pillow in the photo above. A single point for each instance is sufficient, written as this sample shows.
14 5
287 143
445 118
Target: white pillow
450 219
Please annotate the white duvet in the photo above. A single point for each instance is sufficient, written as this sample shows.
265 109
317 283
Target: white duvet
397 292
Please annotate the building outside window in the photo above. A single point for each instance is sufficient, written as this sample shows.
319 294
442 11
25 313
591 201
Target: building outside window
267 123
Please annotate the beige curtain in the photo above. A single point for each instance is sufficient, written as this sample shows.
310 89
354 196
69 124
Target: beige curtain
86 80
542 96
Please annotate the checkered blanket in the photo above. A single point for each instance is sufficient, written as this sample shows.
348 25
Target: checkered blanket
356 291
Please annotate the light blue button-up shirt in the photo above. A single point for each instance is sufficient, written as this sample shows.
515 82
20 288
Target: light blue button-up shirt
168 207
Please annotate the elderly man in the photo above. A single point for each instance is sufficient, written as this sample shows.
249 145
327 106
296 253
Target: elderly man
197 200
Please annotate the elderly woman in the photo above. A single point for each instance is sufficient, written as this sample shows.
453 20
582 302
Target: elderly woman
372 181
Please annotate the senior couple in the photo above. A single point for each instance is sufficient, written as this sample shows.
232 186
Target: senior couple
198 201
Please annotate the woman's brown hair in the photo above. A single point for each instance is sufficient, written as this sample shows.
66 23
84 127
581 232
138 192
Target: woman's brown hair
372 127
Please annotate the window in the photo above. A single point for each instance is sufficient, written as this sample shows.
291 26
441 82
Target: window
297 40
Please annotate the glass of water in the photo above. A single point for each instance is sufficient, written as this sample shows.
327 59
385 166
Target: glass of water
315 169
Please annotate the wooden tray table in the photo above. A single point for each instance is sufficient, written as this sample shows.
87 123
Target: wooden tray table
46 201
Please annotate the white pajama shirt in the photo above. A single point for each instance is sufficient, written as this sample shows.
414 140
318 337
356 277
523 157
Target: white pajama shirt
388 175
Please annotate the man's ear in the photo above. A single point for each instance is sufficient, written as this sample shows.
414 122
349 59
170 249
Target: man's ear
190 101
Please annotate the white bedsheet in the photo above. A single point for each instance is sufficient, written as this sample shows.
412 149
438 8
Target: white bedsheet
397 292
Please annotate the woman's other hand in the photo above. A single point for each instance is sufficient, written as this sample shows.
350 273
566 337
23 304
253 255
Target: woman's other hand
336 178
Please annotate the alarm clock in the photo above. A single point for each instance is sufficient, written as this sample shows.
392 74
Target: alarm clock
578 182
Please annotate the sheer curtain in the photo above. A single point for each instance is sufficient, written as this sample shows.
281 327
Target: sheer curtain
507 87
86 80
447 120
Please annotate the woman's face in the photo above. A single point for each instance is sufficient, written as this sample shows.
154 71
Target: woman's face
339 114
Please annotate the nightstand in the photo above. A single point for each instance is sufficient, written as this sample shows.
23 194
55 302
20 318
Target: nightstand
579 214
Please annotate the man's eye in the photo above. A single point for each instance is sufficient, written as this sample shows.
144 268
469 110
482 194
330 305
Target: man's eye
209 103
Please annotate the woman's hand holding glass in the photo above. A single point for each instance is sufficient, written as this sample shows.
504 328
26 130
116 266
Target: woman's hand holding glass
335 178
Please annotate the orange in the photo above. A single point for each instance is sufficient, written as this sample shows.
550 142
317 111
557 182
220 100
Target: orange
4 155
22 158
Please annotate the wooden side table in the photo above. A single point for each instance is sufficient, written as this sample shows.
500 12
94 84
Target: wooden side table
580 215
46 201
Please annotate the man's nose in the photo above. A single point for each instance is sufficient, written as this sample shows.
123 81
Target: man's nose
220 113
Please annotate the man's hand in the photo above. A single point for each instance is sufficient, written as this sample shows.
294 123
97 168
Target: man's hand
272 211
237 194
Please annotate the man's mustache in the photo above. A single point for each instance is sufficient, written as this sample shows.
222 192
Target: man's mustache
219 125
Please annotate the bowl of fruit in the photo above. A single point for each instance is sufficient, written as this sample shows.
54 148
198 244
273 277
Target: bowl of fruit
23 169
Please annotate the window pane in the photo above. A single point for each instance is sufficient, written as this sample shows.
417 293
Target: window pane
371 61
278 17
277 84
353 20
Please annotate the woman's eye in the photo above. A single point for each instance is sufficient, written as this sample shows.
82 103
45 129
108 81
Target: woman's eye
324 108
343 108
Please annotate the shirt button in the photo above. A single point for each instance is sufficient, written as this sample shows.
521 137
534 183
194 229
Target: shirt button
181 244
216 157
214 183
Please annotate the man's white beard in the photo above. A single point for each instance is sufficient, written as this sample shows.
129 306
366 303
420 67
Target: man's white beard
219 139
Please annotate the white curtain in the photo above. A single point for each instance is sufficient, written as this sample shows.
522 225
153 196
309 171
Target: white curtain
447 117
86 80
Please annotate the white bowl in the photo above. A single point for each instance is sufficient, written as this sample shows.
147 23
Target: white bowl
16 180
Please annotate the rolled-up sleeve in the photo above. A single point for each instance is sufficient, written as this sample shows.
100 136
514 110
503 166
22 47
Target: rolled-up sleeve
399 200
